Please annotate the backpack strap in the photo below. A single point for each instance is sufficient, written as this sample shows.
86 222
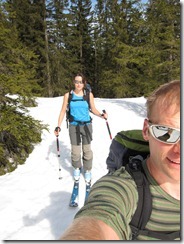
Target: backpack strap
144 207
68 107
70 96
162 235
86 97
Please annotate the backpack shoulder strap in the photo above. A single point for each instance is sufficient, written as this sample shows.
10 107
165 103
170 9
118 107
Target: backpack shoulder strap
70 96
68 107
144 207
86 96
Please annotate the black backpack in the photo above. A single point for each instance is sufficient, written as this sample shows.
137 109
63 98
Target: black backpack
86 97
129 149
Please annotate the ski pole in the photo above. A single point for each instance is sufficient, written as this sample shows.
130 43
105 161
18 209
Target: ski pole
107 125
57 142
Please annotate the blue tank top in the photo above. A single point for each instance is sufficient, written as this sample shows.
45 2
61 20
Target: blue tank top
79 110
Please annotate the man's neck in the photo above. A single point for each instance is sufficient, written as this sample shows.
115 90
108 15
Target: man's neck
172 189
171 186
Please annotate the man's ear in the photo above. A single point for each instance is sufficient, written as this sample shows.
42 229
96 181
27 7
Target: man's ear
145 132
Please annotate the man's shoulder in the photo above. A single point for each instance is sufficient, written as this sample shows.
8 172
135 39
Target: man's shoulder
120 177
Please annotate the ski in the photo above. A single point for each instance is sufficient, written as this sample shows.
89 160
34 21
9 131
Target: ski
88 187
74 196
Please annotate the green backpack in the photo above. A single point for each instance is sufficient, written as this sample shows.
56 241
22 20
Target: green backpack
125 145
129 149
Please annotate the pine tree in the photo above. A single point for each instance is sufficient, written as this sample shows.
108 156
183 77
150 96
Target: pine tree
18 131
81 35
122 23
163 40
28 17
60 57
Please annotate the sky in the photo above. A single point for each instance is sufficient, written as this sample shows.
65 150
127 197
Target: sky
34 202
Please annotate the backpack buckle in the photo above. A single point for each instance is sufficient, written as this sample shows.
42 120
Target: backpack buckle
135 162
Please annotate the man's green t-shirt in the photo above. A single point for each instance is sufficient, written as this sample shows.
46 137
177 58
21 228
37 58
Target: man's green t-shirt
113 199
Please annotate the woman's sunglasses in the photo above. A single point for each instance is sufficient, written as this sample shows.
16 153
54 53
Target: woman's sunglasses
164 133
78 82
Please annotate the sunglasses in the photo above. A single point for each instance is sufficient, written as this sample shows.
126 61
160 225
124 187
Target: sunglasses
163 133
78 82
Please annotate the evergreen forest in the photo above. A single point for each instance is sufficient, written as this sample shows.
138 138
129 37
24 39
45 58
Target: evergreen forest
125 48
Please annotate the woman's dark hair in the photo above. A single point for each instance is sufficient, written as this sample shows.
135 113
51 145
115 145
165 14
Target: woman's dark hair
83 78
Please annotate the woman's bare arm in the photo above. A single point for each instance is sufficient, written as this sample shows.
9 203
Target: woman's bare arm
93 108
63 109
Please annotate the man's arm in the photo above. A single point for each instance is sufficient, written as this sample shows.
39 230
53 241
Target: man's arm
88 228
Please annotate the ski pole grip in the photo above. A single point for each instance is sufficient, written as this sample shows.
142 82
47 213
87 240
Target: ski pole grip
104 112
57 129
